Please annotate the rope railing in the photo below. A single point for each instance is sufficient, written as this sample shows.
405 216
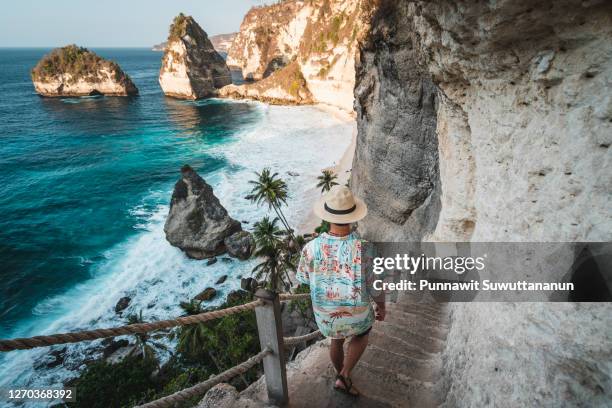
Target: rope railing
199 389
290 341
88 335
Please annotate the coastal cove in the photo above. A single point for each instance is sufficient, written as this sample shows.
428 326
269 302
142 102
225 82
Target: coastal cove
86 184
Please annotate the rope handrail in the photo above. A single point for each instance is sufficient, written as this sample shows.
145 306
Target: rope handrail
201 388
290 341
87 335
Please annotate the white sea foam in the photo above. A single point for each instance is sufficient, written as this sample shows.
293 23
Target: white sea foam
158 276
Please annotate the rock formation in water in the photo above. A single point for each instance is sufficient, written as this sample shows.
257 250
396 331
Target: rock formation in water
240 245
222 42
197 223
159 47
191 68
76 71
284 87
314 40
492 122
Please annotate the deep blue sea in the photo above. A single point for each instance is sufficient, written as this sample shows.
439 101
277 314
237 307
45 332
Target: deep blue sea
85 185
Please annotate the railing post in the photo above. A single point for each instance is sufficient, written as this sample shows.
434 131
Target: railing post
270 329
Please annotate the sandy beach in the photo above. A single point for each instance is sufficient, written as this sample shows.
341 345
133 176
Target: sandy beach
342 168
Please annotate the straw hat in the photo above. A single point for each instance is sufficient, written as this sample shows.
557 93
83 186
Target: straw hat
339 206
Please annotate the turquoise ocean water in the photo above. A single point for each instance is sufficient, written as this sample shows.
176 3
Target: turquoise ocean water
84 190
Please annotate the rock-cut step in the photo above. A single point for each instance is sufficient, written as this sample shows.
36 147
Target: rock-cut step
400 368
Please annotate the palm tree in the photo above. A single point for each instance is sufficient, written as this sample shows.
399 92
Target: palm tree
192 337
266 233
327 180
275 266
270 189
143 340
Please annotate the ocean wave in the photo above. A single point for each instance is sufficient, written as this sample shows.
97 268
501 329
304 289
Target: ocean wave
158 276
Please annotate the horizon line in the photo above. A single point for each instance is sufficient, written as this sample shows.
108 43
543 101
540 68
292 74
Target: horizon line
87 46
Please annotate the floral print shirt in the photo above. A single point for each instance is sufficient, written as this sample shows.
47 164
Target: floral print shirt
332 266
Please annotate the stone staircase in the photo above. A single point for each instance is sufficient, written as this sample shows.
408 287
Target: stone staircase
400 368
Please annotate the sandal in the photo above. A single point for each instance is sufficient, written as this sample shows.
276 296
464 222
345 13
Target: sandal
348 386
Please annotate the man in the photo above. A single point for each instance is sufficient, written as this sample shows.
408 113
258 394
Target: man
333 266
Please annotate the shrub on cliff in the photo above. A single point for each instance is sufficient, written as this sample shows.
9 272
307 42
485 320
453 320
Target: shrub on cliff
220 344
74 60
114 385
177 28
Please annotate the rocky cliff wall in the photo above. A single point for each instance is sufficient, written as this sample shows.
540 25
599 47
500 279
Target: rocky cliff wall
492 122
319 35
191 68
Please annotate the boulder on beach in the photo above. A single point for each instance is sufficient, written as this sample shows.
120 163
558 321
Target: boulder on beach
191 68
197 223
206 294
240 245
221 280
237 296
122 304
114 345
77 71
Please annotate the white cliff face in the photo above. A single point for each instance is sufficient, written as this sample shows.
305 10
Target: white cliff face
320 36
93 75
67 85
191 68
269 38
284 87
173 77
492 122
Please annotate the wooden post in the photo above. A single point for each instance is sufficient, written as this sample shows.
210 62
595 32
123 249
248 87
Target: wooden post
270 329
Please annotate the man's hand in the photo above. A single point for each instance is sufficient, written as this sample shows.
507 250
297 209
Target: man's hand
380 311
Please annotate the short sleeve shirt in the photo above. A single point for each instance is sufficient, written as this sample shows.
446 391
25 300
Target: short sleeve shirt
332 266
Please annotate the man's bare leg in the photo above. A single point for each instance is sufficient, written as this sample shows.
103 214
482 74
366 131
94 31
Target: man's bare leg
356 347
336 353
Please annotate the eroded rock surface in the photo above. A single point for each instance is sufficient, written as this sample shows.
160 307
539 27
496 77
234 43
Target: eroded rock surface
76 71
197 223
492 122
191 68
317 39
240 245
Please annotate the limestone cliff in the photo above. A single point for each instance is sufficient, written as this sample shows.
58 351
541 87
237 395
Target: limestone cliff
283 87
191 68
76 71
492 122
320 36
223 42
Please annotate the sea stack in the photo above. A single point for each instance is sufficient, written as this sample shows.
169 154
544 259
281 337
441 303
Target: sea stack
76 71
197 223
191 68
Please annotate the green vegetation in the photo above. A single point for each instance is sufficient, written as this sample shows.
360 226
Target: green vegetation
74 60
324 227
104 385
276 255
327 180
269 189
303 307
178 28
204 349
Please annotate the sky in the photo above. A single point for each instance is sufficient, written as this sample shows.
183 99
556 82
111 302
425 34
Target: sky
111 23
